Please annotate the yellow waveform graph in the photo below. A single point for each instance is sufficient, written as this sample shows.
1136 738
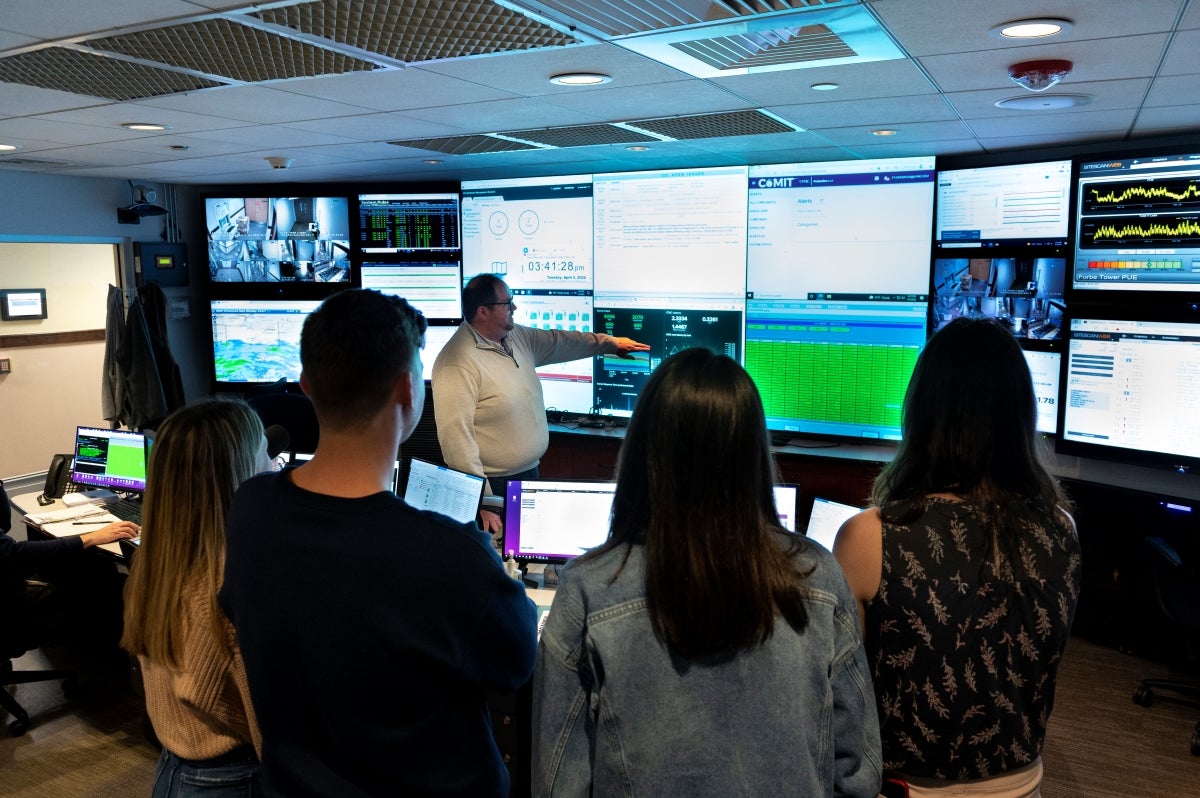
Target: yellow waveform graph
1185 227
1192 191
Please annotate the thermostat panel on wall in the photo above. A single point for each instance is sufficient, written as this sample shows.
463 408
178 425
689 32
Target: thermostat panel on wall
165 264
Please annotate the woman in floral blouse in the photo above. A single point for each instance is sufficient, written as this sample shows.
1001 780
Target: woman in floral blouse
967 573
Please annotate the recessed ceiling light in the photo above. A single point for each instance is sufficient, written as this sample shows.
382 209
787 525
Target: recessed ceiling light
1043 102
432 161
637 148
143 126
823 86
1031 28
883 131
580 79
180 147
8 147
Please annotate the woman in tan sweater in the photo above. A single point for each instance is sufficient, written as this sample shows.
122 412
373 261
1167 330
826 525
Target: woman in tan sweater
195 682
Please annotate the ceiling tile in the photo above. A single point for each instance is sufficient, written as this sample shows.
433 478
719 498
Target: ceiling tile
260 104
393 90
1112 59
1106 95
932 27
491 117
874 79
914 132
1183 56
1053 123
922 108
379 127
682 97
1180 118
57 19
1172 90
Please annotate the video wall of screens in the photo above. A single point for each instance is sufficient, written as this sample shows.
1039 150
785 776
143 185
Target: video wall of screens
278 239
1138 225
1001 249
656 256
273 259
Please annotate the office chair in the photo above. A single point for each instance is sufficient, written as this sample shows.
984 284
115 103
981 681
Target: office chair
1177 596
423 443
292 411
13 644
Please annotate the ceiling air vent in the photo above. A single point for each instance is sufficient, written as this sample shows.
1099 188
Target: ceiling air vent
626 17
65 69
218 47
580 136
418 30
822 35
464 145
714 126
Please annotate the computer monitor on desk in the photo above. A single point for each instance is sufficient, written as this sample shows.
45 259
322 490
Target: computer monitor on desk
553 521
108 458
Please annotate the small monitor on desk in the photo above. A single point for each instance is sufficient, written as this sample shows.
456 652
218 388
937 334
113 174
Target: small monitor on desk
553 521
109 458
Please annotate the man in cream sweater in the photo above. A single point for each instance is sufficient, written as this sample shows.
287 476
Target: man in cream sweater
488 404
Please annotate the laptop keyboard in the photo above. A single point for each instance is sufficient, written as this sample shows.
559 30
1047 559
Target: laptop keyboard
126 510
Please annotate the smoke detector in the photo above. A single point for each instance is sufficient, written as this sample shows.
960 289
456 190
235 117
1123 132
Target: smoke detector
1039 75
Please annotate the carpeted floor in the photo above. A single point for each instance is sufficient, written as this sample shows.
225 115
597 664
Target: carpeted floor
1100 744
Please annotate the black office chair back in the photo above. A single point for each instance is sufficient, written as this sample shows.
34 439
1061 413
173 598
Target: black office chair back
292 411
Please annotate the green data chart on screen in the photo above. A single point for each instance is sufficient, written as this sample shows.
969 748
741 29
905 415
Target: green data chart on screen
127 461
833 384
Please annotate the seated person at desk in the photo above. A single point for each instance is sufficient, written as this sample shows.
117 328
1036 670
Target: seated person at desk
370 629
57 591
703 650
196 690
491 418
967 574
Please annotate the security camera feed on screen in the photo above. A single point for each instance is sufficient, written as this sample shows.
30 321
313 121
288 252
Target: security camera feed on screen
278 239
1026 293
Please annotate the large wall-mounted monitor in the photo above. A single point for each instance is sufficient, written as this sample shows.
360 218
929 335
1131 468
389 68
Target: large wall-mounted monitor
278 239
435 289
1025 292
1131 389
1025 205
1138 225
837 291
394 223
257 341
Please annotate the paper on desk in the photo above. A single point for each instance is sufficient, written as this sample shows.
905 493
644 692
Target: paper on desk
94 520
69 514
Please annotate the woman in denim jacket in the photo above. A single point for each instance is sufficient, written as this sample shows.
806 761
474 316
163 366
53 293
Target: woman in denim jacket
702 650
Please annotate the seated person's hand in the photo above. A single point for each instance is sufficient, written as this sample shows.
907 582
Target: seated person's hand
107 534
490 521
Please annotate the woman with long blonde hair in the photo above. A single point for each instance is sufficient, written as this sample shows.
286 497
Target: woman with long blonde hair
195 682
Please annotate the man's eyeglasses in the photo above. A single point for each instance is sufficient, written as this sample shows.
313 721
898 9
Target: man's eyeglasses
507 302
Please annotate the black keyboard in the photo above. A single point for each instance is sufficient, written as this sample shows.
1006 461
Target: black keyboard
126 510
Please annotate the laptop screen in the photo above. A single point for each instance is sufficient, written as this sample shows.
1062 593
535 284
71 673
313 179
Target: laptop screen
555 520
827 518
444 490
109 458
785 506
